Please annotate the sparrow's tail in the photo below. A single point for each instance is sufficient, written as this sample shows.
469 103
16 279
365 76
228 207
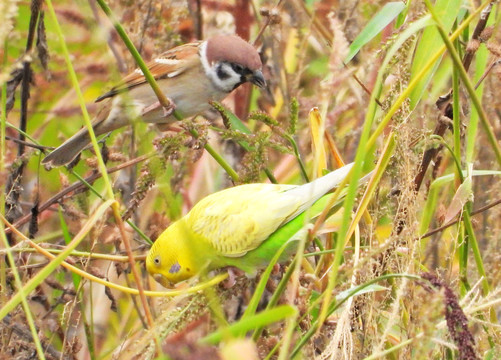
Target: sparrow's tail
68 151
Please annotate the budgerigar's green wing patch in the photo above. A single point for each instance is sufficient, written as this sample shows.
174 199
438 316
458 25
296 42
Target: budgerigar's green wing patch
291 232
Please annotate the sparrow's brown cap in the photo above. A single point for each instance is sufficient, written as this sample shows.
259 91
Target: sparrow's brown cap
233 49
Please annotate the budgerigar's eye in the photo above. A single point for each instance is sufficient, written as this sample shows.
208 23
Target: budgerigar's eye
156 260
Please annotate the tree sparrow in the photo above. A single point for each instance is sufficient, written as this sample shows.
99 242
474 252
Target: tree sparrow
190 75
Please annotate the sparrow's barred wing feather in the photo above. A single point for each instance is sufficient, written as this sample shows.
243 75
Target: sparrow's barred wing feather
169 64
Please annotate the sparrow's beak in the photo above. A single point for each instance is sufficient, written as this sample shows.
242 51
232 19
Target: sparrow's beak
257 78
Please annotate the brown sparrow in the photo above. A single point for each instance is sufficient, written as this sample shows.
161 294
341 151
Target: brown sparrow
190 75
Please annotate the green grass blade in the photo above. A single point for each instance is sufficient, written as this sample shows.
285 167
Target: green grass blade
235 123
467 83
74 82
385 16
258 292
250 323
436 185
88 329
472 128
276 296
430 43
358 290
481 59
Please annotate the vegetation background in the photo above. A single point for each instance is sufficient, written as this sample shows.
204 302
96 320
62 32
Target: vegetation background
409 90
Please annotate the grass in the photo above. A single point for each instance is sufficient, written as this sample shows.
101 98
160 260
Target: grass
361 85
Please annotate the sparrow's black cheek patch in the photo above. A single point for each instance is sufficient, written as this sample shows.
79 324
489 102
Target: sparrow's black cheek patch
221 74
174 268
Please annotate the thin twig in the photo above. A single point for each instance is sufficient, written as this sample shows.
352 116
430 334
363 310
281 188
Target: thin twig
28 144
445 113
266 24
199 17
364 88
13 186
145 26
445 102
450 223
122 66
76 186
487 71
24 334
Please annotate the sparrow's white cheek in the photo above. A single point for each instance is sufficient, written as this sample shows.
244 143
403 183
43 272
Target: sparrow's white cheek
224 78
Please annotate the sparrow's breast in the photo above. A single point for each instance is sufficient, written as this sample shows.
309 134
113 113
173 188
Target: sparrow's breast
190 91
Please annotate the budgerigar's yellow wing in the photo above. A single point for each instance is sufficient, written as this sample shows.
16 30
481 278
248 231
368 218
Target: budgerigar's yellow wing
237 220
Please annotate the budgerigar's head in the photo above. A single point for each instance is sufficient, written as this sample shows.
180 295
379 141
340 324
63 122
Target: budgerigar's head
170 259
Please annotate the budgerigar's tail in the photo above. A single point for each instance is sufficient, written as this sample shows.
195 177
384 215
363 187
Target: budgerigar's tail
312 191
68 151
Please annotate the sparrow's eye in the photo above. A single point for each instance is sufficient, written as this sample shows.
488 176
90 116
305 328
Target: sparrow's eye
238 68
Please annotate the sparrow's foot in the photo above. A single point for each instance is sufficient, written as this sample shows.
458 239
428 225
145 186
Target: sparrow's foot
167 111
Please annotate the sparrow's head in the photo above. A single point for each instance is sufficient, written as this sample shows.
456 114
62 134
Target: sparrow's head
230 61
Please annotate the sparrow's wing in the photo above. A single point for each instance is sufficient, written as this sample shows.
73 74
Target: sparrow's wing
237 220
169 64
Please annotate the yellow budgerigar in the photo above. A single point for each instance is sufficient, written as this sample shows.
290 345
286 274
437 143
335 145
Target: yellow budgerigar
233 227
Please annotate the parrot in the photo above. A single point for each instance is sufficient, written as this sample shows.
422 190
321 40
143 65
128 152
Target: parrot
236 227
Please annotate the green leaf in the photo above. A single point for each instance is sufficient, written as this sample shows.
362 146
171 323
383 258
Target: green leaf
402 16
385 16
344 295
429 44
463 194
231 119
436 185
250 323
234 123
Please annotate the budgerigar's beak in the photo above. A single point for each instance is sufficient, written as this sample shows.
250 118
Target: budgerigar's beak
163 281
257 78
